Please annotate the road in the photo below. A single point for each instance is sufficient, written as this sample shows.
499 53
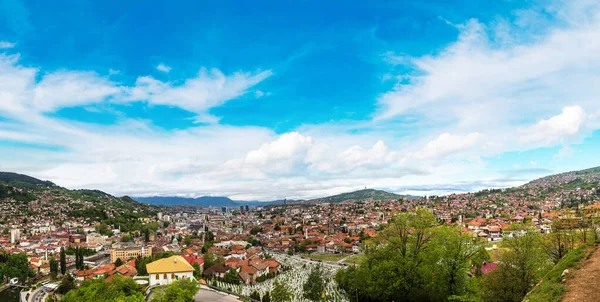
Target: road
38 295
205 295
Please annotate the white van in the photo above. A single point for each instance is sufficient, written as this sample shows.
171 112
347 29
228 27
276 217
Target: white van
14 281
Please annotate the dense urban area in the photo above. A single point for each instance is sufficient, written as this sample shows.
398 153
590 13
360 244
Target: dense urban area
493 245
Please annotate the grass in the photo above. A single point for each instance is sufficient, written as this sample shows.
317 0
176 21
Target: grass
551 288
325 257
496 254
355 259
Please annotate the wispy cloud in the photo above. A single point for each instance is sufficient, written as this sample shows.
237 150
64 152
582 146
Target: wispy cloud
6 44
164 68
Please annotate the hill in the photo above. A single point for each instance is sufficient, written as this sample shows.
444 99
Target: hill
10 177
220 201
204 201
360 195
32 199
583 179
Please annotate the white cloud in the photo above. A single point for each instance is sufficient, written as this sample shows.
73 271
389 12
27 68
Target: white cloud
21 92
71 88
564 152
487 83
556 130
164 68
447 144
208 89
6 44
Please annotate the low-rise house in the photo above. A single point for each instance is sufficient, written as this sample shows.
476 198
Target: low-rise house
164 271
217 270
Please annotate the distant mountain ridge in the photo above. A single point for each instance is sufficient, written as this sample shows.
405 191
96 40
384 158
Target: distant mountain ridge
220 201
204 201
361 195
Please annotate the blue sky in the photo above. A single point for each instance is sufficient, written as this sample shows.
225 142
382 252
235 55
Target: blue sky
298 99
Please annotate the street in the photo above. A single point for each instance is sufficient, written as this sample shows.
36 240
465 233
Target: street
38 295
205 295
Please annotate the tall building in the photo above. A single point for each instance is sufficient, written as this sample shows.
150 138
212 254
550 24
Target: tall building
127 250
15 235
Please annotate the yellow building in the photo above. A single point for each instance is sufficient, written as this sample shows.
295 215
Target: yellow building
167 270
128 250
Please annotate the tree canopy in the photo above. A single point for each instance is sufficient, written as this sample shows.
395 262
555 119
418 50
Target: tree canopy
179 291
413 259
117 289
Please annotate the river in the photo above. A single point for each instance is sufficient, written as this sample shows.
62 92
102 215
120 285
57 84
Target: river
10 294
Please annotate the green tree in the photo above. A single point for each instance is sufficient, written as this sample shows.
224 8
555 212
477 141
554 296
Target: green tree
451 254
63 261
118 262
147 235
179 291
231 277
413 259
266 297
66 284
53 267
117 289
255 230
16 266
211 259
197 271
280 293
313 287
519 270
255 295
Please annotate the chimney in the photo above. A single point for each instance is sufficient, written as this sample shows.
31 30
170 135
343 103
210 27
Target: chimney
175 260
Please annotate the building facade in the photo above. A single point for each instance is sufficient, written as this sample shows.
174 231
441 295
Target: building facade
128 250
167 270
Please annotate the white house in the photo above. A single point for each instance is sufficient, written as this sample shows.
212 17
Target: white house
167 270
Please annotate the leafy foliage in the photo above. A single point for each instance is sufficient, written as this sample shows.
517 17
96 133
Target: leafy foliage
15 266
178 291
413 259
313 287
67 283
117 289
519 269
231 277
280 293
211 259
53 268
